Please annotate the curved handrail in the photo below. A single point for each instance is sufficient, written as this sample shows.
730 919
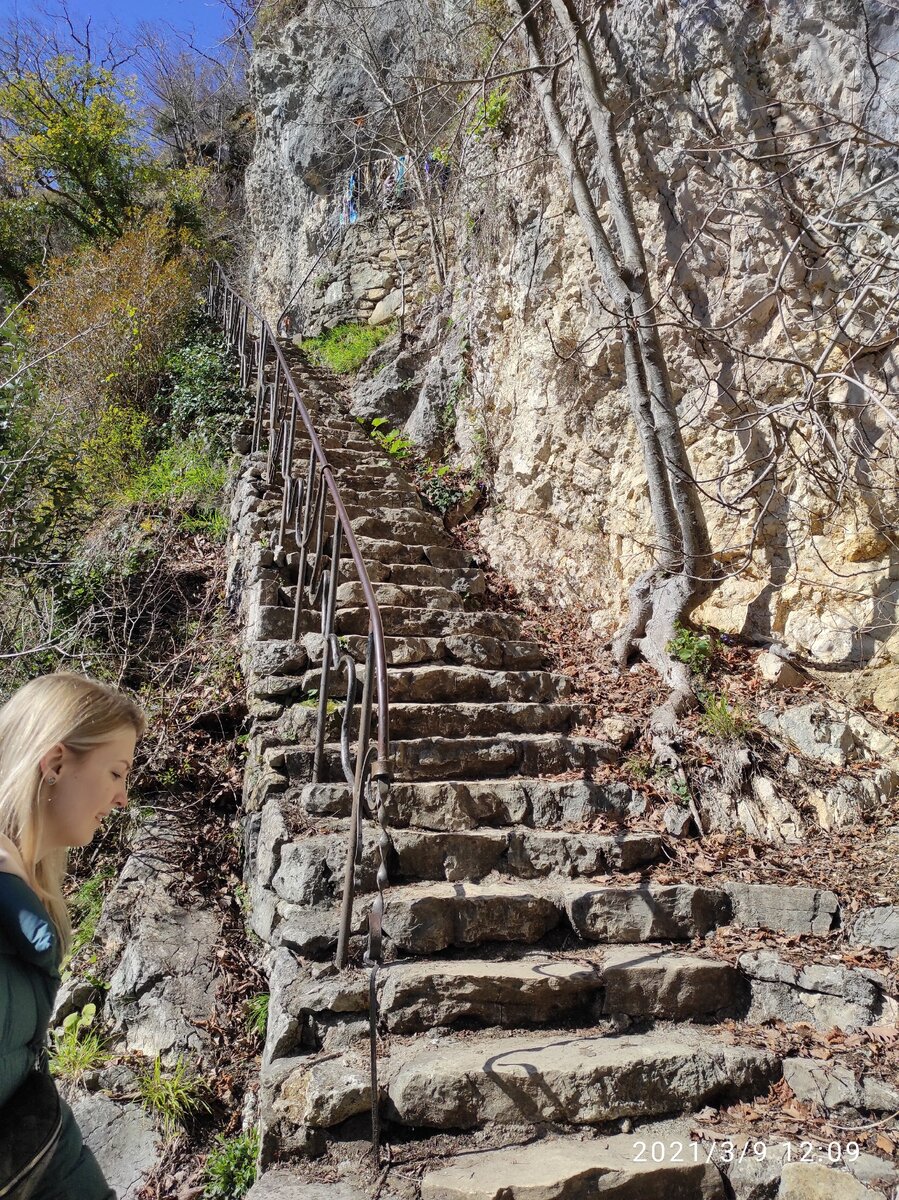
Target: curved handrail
257 351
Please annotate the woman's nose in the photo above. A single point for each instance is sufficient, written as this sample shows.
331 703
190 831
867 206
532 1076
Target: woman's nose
121 800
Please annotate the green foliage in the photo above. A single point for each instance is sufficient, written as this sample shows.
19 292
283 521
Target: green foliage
346 347
310 700
231 1167
490 112
720 720
693 649
174 1098
86 905
69 136
182 473
639 766
396 444
256 1009
204 399
445 486
76 1047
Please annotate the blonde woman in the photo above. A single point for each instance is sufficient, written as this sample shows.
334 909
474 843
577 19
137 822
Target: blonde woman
66 747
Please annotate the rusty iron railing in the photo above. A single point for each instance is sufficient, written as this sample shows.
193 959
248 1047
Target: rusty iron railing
311 508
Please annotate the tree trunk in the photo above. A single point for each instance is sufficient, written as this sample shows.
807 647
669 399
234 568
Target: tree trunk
683 573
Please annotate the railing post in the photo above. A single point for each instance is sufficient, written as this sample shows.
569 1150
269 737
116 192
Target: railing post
363 760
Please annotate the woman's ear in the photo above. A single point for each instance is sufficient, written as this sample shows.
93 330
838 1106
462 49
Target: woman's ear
52 761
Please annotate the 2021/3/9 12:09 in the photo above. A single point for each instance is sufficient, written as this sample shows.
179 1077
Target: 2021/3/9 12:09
728 1151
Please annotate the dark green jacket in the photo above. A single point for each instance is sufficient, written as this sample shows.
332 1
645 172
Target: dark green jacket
29 979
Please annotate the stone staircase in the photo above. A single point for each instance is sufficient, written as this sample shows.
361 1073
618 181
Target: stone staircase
543 998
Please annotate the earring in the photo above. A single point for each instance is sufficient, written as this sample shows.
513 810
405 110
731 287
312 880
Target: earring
50 780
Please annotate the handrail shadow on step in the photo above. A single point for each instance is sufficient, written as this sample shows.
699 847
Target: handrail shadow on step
304 515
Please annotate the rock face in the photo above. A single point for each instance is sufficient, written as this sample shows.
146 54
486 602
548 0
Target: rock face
537 398
165 979
123 1139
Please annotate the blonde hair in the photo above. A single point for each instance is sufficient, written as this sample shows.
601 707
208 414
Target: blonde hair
66 709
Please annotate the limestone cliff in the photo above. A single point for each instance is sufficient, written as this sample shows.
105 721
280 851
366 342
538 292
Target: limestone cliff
759 142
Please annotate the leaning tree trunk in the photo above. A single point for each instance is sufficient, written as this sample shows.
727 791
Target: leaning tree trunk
683 572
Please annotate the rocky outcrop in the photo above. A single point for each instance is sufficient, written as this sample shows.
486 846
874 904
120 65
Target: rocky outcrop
536 402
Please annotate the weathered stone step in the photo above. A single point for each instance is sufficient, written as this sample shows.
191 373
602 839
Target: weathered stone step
466 581
467 1083
407 622
390 551
486 653
467 804
572 1081
393 595
435 758
611 1168
433 683
534 989
276 622
466 720
309 869
424 531
438 758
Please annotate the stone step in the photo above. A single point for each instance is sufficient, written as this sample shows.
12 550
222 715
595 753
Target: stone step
468 804
600 1168
482 652
276 622
393 595
309 869
405 622
437 682
464 581
308 1002
438 758
424 531
454 722
570 1081
459 1083
385 550
534 990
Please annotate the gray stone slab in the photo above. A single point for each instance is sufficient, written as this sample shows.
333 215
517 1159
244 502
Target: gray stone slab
783 909
878 927
563 1169
123 1138
648 913
825 996
570 1080
811 1181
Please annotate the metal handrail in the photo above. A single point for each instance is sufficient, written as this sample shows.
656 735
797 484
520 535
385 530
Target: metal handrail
278 407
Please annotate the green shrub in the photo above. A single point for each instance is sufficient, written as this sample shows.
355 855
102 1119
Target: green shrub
693 649
346 347
205 402
174 1098
489 113
76 1047
396 444
231 1167
185 472
720 720
256 1009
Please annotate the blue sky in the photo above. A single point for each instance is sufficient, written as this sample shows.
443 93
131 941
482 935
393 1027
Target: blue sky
204 19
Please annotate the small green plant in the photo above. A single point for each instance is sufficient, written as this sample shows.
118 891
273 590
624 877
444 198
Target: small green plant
76 1046
720 720
346 347
490 112
444 487
310 700
211 522
256 1009
392 440
639 766
87 904
231 1167
679 789
172 1098
693 649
